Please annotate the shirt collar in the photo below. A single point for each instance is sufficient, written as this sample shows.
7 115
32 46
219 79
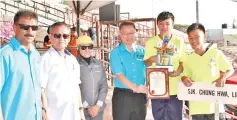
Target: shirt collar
55 51
159 38
81 60
17 45
124 48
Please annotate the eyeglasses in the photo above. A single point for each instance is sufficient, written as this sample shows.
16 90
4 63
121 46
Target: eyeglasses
89 47
27 27
65 36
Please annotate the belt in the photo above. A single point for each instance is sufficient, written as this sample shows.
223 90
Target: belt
123 90
130 91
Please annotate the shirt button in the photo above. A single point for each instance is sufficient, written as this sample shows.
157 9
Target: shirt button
134 76
133 63
133 69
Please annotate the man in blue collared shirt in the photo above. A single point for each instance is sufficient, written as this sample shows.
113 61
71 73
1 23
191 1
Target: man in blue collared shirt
20 93
126 60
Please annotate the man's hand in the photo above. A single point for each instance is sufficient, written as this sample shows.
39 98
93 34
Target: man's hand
220 82
45 115
93 111
141 89
187 81
82 114
152 59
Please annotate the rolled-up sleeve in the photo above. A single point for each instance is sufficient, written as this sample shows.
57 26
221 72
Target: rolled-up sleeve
115 62
103 88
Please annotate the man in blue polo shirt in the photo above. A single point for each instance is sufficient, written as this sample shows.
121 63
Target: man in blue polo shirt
20 92
126 60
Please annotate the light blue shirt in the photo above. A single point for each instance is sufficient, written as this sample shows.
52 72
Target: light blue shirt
131 65
19 82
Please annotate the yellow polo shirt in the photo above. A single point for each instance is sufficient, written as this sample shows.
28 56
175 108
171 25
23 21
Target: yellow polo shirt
179 51
205 68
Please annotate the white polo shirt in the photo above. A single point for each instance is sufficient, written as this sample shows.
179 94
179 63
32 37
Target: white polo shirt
60 76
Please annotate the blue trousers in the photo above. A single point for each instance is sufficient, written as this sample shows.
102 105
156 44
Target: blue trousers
167 109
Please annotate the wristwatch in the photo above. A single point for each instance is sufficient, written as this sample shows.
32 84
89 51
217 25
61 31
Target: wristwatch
43 108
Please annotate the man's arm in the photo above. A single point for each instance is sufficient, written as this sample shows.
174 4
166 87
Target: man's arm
152 59
182 56
44 104
43 98
150 55
125 81
103 88
117 69
227 74
178 71
186 76
80 103
44 73
223 77
226 69
130 85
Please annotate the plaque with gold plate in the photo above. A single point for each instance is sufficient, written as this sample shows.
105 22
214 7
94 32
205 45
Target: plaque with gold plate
157 77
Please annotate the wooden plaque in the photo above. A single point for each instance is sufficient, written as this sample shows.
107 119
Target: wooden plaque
157 81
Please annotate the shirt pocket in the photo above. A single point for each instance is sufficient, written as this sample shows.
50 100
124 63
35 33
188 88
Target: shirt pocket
97 69
139 56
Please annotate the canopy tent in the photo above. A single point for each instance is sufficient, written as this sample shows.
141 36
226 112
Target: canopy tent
82 6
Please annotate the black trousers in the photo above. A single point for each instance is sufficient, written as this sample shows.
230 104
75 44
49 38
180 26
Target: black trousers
127 105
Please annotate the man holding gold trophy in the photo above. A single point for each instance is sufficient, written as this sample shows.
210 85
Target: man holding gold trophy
164 55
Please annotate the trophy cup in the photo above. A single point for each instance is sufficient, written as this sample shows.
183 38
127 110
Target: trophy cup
157 77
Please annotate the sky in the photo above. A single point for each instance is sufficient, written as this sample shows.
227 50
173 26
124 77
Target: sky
212 13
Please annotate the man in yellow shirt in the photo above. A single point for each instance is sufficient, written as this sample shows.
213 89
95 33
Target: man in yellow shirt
166 109
204 65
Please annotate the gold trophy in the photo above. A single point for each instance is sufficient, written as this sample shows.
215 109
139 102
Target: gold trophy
157 77
164 54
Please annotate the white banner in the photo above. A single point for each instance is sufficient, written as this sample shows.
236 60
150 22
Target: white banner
207 92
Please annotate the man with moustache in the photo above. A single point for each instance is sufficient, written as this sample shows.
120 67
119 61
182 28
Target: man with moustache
60 78
19 71
167 109
126 60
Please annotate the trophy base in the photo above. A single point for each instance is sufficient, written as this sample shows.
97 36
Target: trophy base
170 68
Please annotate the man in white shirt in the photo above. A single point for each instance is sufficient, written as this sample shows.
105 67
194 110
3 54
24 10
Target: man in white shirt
60 78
